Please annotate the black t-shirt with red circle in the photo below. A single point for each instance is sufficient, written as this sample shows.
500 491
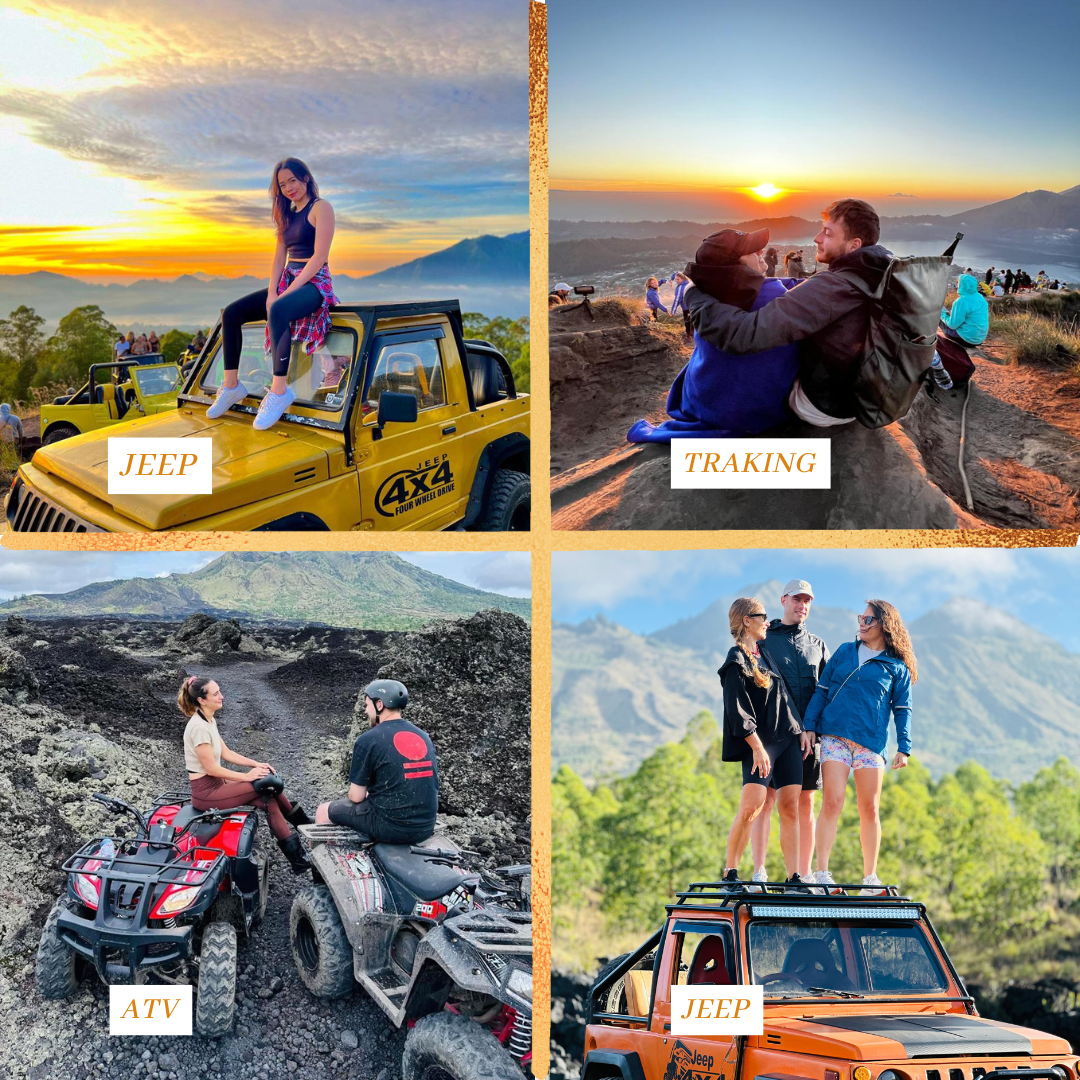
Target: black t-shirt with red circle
395 761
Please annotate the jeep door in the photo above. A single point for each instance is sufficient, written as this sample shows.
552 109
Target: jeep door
412 477
701 954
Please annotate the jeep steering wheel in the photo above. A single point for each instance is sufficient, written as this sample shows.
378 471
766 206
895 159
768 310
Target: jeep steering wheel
780 976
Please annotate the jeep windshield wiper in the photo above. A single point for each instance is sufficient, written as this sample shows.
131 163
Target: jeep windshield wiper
838 993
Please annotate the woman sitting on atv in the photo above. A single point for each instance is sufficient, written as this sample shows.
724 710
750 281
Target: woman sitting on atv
214 787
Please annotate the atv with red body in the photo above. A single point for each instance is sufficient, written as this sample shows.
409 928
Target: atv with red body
163 906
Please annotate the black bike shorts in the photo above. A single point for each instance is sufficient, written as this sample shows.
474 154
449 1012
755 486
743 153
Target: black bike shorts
785 765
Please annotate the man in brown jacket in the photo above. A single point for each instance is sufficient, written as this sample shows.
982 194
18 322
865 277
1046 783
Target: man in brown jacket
828 314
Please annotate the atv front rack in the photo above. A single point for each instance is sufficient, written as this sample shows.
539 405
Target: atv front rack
494 931
145 862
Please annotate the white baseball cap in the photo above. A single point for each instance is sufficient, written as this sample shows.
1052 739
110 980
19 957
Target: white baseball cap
797 585
561 287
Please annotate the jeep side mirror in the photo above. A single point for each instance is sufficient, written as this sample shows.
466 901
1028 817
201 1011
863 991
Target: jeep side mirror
394 408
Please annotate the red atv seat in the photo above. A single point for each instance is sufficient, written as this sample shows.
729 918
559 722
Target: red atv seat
709 965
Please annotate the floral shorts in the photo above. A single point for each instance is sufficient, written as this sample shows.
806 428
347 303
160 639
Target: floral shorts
854 756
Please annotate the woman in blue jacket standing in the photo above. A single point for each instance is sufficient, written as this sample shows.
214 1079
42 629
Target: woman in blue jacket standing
866 682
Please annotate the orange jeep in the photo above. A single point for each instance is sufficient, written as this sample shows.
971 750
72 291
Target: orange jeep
855 988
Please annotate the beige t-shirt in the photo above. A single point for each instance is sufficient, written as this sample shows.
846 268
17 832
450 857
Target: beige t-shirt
198 732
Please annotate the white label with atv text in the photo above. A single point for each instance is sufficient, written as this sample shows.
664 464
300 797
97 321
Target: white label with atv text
150 1010
161 466
751 463
717 1010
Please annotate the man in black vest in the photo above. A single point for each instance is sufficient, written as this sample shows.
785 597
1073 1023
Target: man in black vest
800 657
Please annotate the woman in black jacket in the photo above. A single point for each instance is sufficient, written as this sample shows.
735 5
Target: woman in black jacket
763 731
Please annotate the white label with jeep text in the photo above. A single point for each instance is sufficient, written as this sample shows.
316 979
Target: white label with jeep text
161 466
717 1010
751 463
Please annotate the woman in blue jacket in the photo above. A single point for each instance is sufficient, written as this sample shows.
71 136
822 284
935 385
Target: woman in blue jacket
969 320
866 682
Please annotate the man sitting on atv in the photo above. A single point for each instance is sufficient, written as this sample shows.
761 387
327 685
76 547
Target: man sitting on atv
394 778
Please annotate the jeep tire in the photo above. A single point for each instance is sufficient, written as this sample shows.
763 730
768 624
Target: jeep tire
321 951
508 503
56 969
58 432
215 1001
447 1044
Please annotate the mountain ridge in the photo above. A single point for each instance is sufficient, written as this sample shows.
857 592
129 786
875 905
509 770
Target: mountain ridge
372 590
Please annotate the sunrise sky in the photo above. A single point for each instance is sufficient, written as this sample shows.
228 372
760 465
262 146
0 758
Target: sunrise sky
678 111
137 138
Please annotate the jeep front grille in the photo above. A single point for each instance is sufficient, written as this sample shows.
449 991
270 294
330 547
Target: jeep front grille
35 513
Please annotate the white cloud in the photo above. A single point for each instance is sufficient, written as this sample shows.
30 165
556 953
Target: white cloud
506 572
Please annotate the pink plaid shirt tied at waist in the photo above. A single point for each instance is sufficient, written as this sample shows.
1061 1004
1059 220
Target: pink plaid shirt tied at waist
311 329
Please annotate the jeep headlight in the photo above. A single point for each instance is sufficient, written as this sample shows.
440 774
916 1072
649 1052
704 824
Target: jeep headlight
521 983
179 900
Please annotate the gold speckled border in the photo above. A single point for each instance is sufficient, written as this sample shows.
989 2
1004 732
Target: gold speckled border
541 541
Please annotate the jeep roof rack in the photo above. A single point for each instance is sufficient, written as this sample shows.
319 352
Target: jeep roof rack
723 894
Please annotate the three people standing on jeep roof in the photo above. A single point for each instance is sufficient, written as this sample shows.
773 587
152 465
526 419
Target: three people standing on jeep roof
394 779
800 657
297 303
763 731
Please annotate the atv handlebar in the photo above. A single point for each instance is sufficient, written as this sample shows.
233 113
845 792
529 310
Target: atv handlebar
118 806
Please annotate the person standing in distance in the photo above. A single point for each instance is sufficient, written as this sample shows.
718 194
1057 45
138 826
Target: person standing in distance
800 658
394 779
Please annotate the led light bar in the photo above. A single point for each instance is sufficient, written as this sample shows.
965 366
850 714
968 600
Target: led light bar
801 911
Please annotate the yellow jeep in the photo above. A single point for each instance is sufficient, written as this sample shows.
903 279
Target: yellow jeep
112 392
399 422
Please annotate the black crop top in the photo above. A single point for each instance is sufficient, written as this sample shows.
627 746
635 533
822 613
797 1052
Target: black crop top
299 236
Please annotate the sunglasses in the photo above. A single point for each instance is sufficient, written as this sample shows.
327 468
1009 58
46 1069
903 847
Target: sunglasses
758 615
867 620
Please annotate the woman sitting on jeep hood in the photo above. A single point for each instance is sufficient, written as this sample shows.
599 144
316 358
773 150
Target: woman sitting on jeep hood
763 731
213 787
296 306
864 682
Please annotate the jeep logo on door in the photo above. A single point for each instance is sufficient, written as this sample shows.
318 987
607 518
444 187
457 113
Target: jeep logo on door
405 490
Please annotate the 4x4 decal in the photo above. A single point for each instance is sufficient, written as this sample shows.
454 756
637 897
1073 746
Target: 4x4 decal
407 489
687 1064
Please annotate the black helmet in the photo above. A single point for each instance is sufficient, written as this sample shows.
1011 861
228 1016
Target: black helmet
390 692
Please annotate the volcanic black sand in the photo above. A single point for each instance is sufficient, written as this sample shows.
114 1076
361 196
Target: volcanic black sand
89 706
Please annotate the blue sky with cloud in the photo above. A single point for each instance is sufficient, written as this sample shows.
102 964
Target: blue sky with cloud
646 590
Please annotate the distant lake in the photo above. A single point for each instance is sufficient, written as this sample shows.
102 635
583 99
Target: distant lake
980 255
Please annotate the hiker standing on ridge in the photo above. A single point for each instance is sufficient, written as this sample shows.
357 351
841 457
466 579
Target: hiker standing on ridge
771 259
1009 280
763 731
800 657
865 682
828 313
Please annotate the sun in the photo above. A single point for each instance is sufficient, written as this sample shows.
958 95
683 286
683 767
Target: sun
766 191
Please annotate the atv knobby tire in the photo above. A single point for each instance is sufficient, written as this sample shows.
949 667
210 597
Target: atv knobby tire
446 1044
58 432
321 951
215 1001
57 968
508 504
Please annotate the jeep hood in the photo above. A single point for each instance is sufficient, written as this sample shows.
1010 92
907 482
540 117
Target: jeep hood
877 1037
248 465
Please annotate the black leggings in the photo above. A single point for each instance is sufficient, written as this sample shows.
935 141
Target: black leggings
286 310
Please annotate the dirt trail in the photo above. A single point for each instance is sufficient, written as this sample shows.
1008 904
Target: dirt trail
1022 452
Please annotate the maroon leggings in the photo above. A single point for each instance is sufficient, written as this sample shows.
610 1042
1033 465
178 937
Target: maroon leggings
216 793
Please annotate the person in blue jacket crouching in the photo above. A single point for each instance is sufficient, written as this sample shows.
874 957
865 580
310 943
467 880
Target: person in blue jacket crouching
866 682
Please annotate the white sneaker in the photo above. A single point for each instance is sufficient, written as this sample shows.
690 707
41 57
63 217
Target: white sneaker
823 877
760 874
873 880
225 398
273 408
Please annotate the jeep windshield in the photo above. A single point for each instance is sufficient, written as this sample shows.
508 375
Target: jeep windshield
319 380
820 958
158 380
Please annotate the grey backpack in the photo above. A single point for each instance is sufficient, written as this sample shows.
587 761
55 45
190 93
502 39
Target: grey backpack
904 313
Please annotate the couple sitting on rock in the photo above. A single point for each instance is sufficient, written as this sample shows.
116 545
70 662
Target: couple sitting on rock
393 780
765 345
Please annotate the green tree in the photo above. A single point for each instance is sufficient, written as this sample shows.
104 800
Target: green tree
576 848
1051 804
509 336
668 830
84 337
174 343
21 341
